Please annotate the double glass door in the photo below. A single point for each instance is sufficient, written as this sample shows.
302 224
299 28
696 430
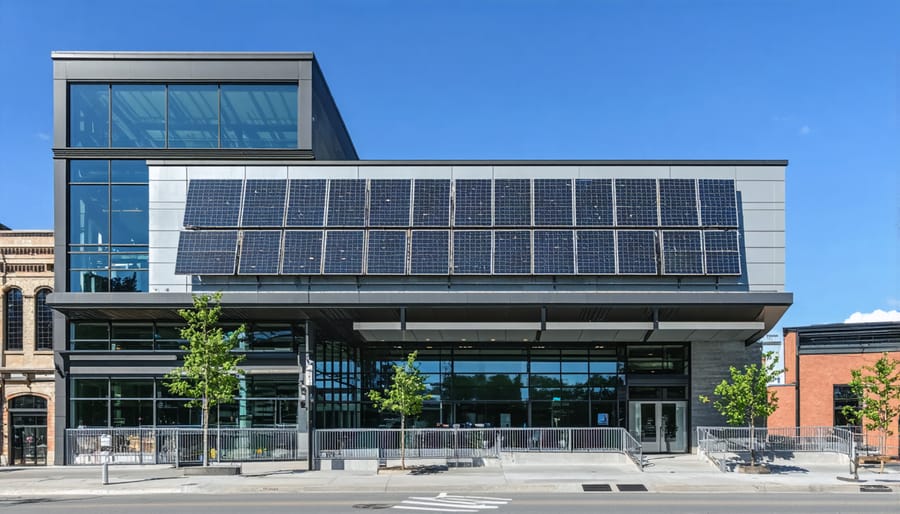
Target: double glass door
29 440
660 427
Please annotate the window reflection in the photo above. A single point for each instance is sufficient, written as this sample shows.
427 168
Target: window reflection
259 116
138 115
89 115
193 116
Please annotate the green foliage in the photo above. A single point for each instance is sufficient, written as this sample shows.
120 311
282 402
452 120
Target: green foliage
209 373
746 397
406 392
405 396
878 388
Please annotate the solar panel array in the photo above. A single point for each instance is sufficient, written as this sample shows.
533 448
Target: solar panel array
461 227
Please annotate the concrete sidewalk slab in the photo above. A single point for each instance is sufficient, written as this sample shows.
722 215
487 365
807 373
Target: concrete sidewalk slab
663 473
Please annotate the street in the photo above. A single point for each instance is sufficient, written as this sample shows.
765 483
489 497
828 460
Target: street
794 503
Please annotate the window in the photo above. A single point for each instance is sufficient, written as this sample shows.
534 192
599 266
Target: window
843 397
43 321
183 115
108 205
89 115
13 328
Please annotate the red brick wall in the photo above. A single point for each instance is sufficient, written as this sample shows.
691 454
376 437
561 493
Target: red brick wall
785 415
818 376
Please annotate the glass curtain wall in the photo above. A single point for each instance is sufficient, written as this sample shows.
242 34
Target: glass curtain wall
264 402
472 385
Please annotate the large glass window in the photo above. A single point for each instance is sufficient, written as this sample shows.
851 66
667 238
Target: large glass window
193 116
843 397
108 205
43 317
89 214
138 115
259 116
183 115
89 115
13 319
129 219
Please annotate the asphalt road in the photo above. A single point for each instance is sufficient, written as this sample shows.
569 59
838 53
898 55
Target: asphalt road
647 503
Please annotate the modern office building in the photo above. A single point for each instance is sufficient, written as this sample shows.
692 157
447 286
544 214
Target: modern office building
26 347
537 293
819 360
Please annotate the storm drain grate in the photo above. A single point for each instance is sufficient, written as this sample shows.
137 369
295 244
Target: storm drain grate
596 488
631 488
874 488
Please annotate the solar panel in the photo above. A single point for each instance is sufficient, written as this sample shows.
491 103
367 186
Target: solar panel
386 253
302 252
206 252
213 203
596 251
344 252
473 203
260 252
512 252
431 203
472 252
347 203
552 202
593 202
636 202
306 203
389 203
718 204
637 252
682 252
264 203
723 256
554 252
678 202
512 202
430 252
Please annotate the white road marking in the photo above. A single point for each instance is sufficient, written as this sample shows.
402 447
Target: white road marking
444 502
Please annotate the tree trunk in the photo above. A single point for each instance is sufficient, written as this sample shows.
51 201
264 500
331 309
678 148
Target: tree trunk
402 441
205 432
752 445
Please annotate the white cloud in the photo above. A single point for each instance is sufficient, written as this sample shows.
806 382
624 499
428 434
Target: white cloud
874 316
804 130
43 136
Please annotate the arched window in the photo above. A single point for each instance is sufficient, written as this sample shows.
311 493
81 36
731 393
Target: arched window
28 402
13 325
43 321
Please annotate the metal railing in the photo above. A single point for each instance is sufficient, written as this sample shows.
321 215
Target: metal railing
470 443
718 442
178 446
869 442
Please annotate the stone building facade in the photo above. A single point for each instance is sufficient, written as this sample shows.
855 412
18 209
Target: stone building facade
26 347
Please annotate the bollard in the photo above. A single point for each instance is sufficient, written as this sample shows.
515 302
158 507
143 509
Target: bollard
104 473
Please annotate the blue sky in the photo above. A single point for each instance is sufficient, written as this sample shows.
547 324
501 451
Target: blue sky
814 82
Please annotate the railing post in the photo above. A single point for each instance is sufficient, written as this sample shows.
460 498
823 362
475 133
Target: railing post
177 452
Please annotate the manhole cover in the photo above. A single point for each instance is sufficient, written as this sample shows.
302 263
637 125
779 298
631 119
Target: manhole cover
596 488
874 489
630 488
373 506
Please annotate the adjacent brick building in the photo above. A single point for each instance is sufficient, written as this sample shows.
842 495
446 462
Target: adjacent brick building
818 361
26 340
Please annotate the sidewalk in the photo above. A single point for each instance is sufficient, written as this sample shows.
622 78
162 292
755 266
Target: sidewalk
663 473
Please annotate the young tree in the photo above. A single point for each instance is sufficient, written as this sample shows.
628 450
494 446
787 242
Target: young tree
878 390
746 397
404 396
209 374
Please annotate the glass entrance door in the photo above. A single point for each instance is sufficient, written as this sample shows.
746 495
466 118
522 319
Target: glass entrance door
660 427
29 440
